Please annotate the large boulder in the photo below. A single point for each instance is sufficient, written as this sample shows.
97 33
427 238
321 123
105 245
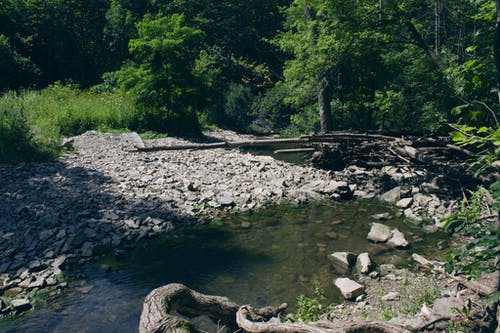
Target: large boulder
379 233
348 288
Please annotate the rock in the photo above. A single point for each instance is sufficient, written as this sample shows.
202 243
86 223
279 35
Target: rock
4 267
391 296
392 196
410 215
332 234
404 203
364 263
58 262
87 249
21 304
226 200
382 216
379 233
342 261
205 324
38 283
348 288
444 306
398 239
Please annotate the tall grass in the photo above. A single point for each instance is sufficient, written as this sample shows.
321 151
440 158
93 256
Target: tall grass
32 122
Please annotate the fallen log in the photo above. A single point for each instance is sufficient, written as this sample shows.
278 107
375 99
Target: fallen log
332 137
244 313
168 309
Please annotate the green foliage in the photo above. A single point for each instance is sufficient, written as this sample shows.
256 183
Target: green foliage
474 219
417 292
162 81
14 68
17 142
309 308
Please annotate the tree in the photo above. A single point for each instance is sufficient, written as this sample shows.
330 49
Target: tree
320 36
163 75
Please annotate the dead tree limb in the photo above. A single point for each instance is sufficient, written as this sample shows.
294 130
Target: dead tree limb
244 322
158 308
331 137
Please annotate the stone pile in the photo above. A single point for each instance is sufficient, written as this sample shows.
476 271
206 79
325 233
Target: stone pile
101 198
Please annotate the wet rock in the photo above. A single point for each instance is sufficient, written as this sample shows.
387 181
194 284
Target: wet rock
379 233
382 216
342 261
404 203
348 288
87 249
392 196
4 267
398 239
364 263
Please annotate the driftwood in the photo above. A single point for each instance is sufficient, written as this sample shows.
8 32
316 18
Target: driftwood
332 137
168 309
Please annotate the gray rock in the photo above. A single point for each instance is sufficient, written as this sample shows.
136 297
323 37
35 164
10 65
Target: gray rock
379 233
404 203
410 215
444 306
392 196
342 261
87 249
21 304
364 263
391 296
348 288
226 200
4 267
398 239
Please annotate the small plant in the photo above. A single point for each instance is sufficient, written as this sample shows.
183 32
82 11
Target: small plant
309 308
387 312
422 290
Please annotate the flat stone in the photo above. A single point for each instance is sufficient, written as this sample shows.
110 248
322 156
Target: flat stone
342 261
392 196
348 288
379 233
398 239
382 216
391 296
58 261
226 200
21 304
364 263
444 306
404 203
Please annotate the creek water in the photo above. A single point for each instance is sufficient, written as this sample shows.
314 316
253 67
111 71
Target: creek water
262 258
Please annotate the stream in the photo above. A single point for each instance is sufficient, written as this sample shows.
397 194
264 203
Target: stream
264 257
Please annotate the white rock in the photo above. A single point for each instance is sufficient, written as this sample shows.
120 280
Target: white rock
363 263
379 233
392 196
348 288
404 203
398 239
391 296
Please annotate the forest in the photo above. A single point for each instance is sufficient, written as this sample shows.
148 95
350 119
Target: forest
291 67
80 80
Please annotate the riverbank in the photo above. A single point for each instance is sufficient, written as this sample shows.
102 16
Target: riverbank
100 198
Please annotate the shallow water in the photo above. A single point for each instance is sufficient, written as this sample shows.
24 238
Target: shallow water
264 258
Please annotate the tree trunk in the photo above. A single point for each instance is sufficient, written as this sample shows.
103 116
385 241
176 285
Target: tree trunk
438 10
325 110
496 47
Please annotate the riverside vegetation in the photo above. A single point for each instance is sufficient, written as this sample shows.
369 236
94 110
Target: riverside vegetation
160 68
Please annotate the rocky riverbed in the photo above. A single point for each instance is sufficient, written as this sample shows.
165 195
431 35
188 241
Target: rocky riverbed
100 197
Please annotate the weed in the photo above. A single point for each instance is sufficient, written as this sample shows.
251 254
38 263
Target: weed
309 308
422 290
